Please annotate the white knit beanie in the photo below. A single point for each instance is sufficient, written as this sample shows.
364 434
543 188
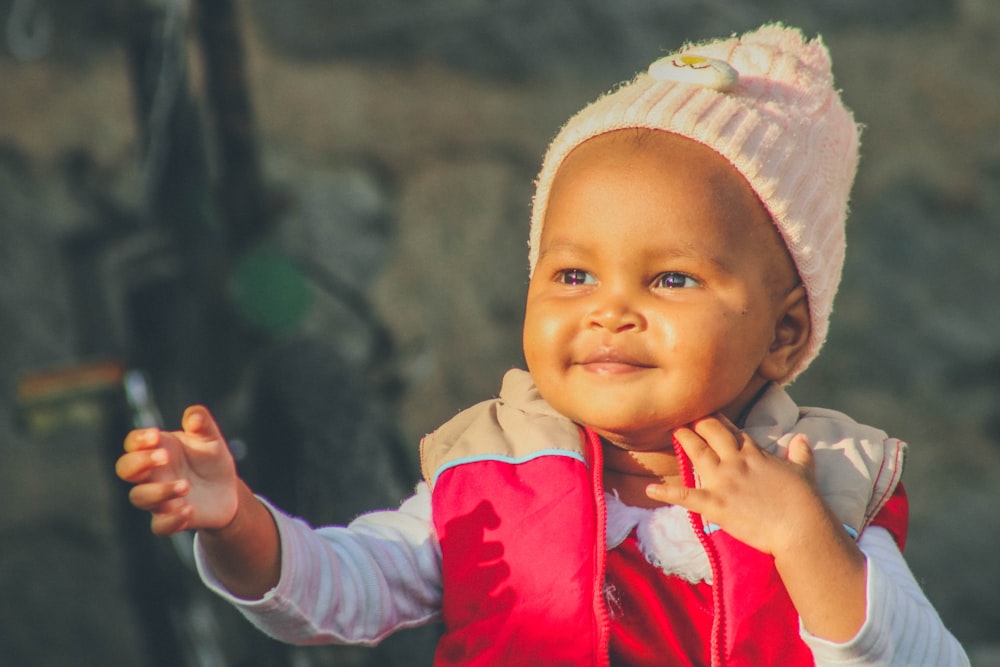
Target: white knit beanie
766 102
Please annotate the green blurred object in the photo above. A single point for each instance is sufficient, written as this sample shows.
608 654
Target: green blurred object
270 291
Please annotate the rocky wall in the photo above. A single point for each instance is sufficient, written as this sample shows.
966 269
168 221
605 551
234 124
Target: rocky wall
401 146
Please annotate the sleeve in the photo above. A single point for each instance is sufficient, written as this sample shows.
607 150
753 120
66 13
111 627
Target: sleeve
901 627
353 584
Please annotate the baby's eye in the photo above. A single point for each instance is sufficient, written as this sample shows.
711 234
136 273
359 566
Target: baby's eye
675 280
576 277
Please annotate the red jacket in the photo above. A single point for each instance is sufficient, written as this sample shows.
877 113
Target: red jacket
519 512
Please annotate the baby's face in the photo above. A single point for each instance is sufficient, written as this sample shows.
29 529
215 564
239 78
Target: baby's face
657 290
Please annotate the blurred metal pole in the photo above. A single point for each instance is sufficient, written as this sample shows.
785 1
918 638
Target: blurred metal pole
240 192
175 208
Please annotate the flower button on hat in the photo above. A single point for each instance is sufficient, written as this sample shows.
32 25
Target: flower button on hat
700 70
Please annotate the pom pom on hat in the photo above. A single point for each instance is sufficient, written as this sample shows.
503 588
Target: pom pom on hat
766 102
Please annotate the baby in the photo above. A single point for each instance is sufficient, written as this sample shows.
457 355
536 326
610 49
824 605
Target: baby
646 492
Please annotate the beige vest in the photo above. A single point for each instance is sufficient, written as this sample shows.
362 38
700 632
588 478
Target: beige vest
857 466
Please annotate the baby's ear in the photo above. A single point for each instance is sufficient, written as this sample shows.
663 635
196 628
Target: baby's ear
791 335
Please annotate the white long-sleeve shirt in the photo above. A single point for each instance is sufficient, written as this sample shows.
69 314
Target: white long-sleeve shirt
359 583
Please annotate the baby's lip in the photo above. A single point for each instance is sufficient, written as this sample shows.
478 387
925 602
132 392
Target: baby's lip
611 360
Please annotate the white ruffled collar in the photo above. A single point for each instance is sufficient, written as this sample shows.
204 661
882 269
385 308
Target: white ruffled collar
666 538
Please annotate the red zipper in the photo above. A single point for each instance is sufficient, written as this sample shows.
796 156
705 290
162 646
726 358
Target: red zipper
718 641
601 621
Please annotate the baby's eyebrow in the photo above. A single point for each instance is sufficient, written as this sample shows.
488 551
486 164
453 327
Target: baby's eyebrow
563 247
689 252
571 250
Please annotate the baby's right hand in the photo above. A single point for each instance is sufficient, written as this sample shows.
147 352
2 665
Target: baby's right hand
186 479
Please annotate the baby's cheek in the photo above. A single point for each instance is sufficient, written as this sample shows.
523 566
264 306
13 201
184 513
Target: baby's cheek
542 334
665 336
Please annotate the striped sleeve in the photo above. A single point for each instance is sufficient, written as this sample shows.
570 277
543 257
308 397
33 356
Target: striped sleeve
348 585
901 627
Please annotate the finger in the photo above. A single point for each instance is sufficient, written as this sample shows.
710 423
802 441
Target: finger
800 453
726 439
142 438
167 523
702 456
672 494
197 420
135 467
721 436
725 421
156 496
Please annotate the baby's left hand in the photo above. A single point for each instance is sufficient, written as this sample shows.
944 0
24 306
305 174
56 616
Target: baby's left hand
761 499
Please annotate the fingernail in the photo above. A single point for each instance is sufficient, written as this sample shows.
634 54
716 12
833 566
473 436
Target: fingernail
158 457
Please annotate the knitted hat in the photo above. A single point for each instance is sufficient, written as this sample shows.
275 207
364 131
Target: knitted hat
766 102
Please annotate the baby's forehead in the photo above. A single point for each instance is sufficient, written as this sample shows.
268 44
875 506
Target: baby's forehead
631 145
666 147
631 149
677 173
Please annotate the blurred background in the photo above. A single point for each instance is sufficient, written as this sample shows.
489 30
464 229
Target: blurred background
311 215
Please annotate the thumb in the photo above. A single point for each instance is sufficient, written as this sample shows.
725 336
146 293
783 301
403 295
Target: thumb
799 451
198 421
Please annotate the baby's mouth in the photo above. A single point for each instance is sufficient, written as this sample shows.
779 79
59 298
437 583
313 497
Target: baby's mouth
610 361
